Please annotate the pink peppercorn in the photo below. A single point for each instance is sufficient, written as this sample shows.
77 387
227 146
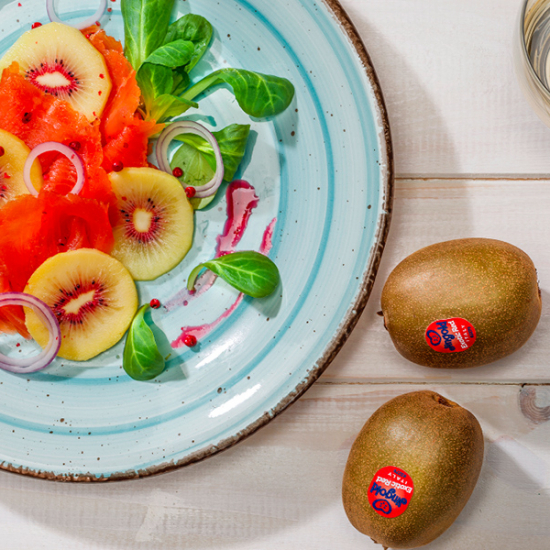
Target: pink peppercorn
190 340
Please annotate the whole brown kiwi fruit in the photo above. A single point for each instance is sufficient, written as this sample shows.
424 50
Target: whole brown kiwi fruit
419 436
490 284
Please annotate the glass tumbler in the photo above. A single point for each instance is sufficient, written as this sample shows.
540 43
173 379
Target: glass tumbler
532 55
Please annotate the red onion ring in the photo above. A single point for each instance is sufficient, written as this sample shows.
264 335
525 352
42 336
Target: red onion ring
45 314
60 148
83 24
190 127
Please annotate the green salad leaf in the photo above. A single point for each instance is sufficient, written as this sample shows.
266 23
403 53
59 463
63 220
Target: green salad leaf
197 170
154 81
195 29
174 54
163 55
232 143
196 157
257 94
142 359
145 26
157 83
181 81
248 271
167 105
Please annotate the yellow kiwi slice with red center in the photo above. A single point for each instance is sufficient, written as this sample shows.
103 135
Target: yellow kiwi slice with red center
13 154
154 229
93 297
60 61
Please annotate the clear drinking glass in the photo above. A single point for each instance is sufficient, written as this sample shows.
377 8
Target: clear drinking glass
532 55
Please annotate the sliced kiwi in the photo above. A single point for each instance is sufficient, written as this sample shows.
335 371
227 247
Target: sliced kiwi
60 61
13 154
154 229
93 297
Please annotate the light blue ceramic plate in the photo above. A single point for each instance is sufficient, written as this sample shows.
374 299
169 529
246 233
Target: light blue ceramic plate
323 170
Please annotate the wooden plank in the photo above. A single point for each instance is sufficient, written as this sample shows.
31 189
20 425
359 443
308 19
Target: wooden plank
430 211
280 489
448 79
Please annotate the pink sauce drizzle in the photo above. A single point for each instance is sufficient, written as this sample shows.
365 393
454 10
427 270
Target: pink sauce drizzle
241 200
203 330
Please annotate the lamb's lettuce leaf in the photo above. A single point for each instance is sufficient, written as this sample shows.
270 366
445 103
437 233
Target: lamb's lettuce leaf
258 95
154 81
145 26
174 54
195 29
163 55
142 359
232 143
181 80
196 157
157 84
248 271
169 106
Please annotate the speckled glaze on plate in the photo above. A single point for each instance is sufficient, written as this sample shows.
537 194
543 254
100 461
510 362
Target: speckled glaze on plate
323 169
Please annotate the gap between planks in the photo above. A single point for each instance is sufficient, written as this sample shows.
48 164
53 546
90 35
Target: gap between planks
473 177
425 383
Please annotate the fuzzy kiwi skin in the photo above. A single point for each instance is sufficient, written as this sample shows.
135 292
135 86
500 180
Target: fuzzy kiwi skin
438 443
490 283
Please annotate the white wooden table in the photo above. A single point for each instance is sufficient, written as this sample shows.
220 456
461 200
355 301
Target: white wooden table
471 160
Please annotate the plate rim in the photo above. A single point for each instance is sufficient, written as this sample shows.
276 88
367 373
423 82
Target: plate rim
347 325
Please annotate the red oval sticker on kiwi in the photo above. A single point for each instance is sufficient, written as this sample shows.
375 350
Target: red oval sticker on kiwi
451 335
390 491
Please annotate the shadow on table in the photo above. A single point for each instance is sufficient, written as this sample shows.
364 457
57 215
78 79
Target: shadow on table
237 496
421 215
511 492
420 132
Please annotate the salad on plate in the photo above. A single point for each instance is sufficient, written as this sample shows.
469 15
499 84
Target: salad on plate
101 172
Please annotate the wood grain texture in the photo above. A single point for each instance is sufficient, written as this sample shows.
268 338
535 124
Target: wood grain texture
281 488
448 79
